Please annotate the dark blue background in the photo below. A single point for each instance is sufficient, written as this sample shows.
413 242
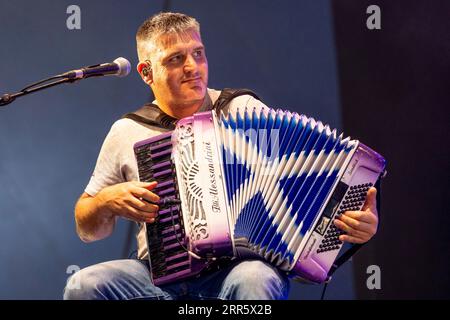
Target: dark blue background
49 141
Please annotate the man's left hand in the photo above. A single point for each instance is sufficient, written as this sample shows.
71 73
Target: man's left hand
360 226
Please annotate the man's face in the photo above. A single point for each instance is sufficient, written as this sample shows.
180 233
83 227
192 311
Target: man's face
179 69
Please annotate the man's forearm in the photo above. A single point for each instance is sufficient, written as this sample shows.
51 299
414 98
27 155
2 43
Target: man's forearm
92 222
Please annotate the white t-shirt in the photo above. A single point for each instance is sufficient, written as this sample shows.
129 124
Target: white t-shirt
116 162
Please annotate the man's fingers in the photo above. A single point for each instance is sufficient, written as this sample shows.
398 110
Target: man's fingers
139 210
362 216
142 205
351 239
140 216
343 226
150 185
150 197
349 230
147 185
144 194
371 200
356 224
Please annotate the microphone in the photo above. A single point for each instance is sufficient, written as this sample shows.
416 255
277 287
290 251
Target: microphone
119 67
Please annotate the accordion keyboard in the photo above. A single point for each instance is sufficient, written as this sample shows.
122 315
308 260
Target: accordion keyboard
353 200
166 238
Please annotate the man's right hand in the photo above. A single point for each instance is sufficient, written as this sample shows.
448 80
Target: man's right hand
130 200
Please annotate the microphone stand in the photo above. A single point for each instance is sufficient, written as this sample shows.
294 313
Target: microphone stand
7 98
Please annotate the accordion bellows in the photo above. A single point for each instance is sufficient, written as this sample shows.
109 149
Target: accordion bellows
262 184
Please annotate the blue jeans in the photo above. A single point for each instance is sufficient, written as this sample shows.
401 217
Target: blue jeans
130 279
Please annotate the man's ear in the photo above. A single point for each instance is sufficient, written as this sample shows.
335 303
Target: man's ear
145 70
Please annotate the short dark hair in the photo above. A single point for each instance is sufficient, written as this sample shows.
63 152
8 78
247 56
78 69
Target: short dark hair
161 23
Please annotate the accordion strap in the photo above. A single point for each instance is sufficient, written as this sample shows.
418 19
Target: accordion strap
355 247
151 114
228 94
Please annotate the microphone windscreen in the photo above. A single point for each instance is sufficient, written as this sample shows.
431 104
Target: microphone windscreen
124 67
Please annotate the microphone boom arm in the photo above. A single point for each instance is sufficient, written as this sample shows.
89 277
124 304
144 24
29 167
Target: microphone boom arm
7 98
120 67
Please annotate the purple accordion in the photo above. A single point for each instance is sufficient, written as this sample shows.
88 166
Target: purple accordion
265 184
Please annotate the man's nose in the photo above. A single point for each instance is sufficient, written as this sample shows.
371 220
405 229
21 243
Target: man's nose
190 64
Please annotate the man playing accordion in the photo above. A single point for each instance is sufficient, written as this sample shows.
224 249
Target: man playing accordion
173 63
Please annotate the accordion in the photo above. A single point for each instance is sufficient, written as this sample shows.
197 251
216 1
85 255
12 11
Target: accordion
264 184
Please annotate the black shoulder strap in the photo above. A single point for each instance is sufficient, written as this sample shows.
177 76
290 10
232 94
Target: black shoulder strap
151 114
229 94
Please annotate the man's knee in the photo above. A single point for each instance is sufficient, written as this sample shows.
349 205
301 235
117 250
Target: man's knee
257 272
116 280
84 284
256 280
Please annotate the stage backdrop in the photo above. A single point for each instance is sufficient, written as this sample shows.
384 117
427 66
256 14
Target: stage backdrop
394 90
49 141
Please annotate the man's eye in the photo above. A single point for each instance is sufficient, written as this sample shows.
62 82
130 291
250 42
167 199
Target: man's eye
175 59
198 53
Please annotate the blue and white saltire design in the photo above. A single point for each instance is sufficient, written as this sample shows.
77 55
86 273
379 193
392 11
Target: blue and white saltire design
279 168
